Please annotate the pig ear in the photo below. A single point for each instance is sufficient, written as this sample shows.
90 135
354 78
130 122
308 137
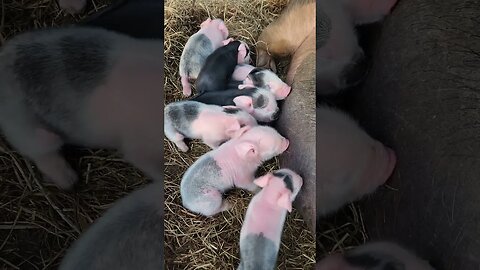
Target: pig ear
205 23
223 28
263 180
242 130
242 52
226 41
246 149
233 127
285 202
244 102
246 83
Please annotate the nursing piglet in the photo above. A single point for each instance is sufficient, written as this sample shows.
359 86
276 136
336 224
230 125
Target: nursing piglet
259 102
85 86
128 236
260 77
374 256
199 46
350 163
210 123
233 164
219 66
339 56
263 224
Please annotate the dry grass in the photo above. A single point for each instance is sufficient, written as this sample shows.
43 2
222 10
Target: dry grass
192 241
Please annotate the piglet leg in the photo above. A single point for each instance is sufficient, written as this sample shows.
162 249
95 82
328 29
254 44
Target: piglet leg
187 88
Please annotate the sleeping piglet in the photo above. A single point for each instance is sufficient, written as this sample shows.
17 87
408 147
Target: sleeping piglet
233 164
249 76
199 46
85 86
259 102
374 256
263 224
210 123
219 66
350 163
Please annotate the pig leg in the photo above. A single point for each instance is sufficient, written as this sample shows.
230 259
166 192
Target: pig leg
175 136
72 6
209 203
187 88
42 147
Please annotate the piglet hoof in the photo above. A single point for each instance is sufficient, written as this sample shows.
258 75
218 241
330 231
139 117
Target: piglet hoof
187 92
65 182
182 146
72 6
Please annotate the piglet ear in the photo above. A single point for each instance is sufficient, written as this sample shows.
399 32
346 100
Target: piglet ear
233 127
244 102
242 52
285 202
241 131
205 23
226 41
246 149
223 28
247 83
263 180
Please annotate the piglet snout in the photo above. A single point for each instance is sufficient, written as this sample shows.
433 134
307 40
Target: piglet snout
285 91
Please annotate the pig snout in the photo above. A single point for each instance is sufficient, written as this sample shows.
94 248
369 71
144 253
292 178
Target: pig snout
386 161
391 162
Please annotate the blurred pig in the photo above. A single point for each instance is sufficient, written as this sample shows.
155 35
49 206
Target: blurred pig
292 34
128 236
85 86
200 45
350 163
219 66
210 123
263 224
72 6
259 102
233 164
338 51
249 76
374 256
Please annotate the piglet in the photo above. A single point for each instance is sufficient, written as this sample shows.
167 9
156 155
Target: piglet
85 86
340 59
259 77
259 102
210 123
233 164
350 163
263 224
220 65
128 236
374 256
72 6
200 45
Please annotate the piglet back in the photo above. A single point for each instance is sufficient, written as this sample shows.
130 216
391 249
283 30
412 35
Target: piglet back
257 253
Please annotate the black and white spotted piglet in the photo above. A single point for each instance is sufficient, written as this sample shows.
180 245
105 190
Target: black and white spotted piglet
85 86
210 123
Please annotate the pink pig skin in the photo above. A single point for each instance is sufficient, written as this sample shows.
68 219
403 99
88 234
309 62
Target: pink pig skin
241 72
233 164
265 218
